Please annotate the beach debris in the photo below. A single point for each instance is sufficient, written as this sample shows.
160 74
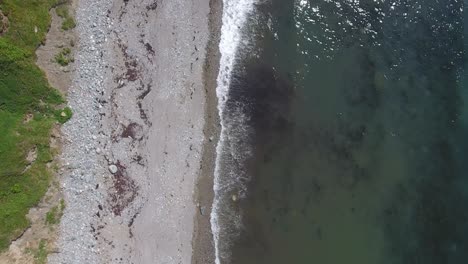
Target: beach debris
234 198
133 130
113 169
149 48
123 190
152 6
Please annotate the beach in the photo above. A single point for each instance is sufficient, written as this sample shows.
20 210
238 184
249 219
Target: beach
233 132
143 134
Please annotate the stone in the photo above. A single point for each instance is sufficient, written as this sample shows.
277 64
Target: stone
3 23
202 210
113 169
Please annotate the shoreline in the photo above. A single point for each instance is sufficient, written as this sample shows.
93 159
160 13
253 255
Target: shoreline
203 244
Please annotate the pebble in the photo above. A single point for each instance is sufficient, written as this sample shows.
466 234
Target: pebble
113 169
85 170
202 210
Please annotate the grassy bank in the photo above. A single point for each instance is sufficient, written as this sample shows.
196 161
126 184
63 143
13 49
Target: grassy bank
28 111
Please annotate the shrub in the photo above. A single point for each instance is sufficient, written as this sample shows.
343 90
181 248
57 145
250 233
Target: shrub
68 21
64 57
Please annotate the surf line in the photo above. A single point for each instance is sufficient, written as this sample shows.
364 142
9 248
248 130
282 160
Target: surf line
234 17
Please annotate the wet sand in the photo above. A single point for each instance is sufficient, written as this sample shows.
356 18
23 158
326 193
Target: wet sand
203 245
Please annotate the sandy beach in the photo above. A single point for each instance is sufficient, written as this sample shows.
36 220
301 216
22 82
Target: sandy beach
139 150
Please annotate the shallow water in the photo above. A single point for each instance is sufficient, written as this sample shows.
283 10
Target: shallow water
347 135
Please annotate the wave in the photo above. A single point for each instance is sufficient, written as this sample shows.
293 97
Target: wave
231 152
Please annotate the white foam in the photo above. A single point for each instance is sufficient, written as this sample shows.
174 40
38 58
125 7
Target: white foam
234 17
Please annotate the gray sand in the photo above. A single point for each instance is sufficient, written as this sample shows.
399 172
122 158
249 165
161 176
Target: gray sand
135 143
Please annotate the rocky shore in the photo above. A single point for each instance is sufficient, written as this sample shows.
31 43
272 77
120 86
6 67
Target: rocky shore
135 145
82 155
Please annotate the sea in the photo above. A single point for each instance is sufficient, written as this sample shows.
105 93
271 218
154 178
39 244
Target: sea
344 132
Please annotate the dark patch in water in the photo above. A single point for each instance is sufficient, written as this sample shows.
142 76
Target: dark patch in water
265 99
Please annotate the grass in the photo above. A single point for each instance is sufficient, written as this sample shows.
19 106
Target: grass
62 205
63 115
53 216
68 21
55 213
24 91
64 57
40 253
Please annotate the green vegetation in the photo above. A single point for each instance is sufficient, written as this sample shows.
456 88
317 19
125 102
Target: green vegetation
62 205
64 57
63 115
55 213
28 111
68 21
39 254
61 59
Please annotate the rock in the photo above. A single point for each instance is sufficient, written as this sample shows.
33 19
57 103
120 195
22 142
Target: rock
202 210
113 169
3 23
210 139
32 155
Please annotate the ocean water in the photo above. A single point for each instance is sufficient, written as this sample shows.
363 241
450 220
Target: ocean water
344 132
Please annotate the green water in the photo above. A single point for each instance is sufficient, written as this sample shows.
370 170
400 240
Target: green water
361 134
